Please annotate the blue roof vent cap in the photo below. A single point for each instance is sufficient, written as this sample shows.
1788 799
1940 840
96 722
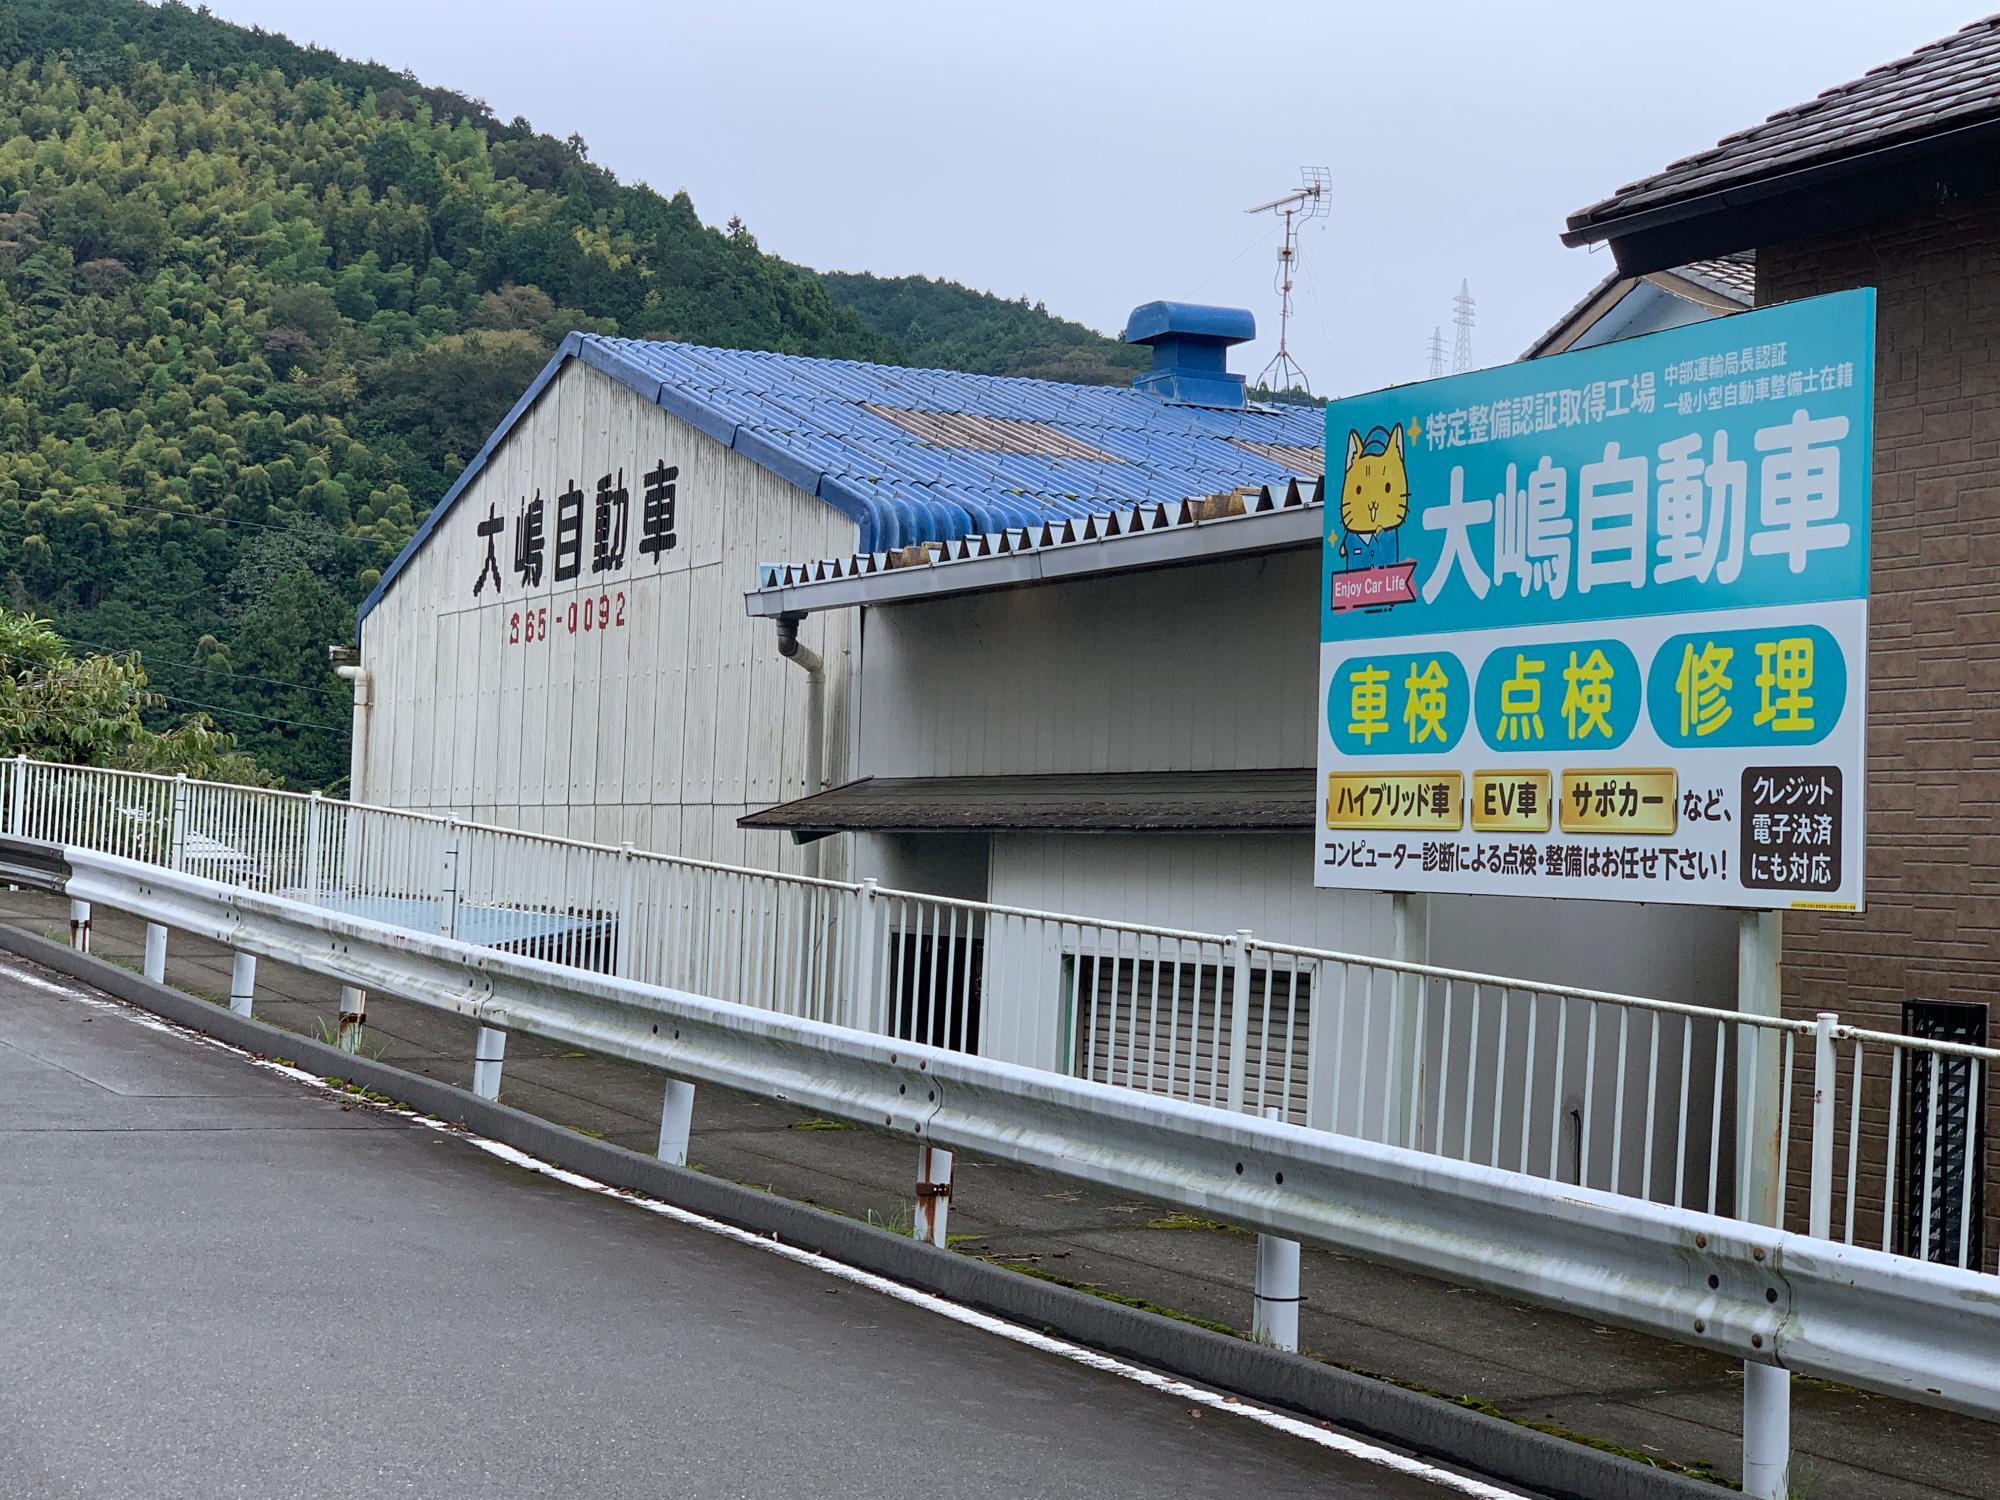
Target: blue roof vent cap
1190 341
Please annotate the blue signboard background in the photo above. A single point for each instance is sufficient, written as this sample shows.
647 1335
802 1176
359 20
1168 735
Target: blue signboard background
1640 569
1626 430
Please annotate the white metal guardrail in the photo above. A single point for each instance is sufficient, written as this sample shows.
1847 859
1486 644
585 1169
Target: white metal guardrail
1881 1135
1808 1304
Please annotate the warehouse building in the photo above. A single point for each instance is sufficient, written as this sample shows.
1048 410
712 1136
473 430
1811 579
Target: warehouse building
1063 641
563 647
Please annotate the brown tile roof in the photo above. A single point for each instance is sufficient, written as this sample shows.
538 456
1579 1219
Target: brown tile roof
1948 84
1731 276
1098 802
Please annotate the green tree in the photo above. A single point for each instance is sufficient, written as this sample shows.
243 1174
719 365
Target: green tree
277 667
92 711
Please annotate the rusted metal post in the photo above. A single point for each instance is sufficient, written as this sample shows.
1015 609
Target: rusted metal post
933 1194
353 1016
242 982
488 1053
156 953
79 926
1274 1312
676 1122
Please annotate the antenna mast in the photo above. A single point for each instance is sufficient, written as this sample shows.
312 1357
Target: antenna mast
1437 352
1309 201
1461 317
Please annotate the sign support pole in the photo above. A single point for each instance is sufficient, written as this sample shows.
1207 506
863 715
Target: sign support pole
1410 937
1760 1078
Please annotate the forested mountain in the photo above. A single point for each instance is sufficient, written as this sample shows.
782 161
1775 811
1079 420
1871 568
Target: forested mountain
942 325
259 303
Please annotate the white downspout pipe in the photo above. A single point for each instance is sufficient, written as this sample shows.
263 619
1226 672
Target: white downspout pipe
357 758
799 654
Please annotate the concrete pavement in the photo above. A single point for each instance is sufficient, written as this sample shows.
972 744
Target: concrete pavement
223 1282
1658 1401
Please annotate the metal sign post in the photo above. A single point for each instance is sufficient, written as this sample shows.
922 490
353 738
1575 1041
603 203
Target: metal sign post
1760 1082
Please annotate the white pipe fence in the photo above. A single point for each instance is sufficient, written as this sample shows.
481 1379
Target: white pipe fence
1881 1137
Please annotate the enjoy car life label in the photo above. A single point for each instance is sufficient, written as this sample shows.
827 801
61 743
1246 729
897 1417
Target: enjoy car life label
1596 625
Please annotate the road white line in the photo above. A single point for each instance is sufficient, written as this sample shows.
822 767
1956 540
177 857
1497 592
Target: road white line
1166 1385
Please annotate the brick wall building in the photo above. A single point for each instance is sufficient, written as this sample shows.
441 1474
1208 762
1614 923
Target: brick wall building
1932 927
1931 930
1861 188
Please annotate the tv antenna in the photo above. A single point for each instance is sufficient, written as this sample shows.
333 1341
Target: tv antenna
1307 201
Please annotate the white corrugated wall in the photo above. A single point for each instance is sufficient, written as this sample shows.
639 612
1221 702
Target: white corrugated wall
663 730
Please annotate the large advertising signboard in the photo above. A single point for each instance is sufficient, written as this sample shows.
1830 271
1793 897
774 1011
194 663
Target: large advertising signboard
1596 625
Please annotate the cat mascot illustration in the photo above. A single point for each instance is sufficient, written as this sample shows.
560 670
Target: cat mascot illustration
1374 499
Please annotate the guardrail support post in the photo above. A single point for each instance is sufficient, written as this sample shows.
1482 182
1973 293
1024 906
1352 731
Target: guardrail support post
933 1194
863 1011
242 982
353 1016
17 800
676 1122
1767 1432
79 926
488 1052
1274 1312
156 953
1239 1018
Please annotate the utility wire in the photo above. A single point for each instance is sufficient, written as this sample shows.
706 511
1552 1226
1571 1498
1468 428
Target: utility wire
167 661
152 507
241 713
1319 313
245 713
1232 260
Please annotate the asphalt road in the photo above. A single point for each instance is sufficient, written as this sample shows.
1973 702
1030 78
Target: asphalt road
216 1281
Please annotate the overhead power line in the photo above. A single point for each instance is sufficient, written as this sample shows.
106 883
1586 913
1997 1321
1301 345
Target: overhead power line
245 713
167 661
153 508
213 708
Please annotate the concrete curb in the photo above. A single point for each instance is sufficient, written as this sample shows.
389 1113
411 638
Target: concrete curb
1438 1429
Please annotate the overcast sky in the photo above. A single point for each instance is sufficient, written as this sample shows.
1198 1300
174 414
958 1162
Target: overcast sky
1096 155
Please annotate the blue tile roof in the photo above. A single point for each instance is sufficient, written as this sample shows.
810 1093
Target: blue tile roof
808 421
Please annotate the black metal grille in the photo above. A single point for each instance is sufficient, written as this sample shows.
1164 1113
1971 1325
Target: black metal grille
1950 1155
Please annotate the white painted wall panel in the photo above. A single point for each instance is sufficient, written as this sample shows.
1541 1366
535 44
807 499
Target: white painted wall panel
1179 669
1220 883
664 729
1209 667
